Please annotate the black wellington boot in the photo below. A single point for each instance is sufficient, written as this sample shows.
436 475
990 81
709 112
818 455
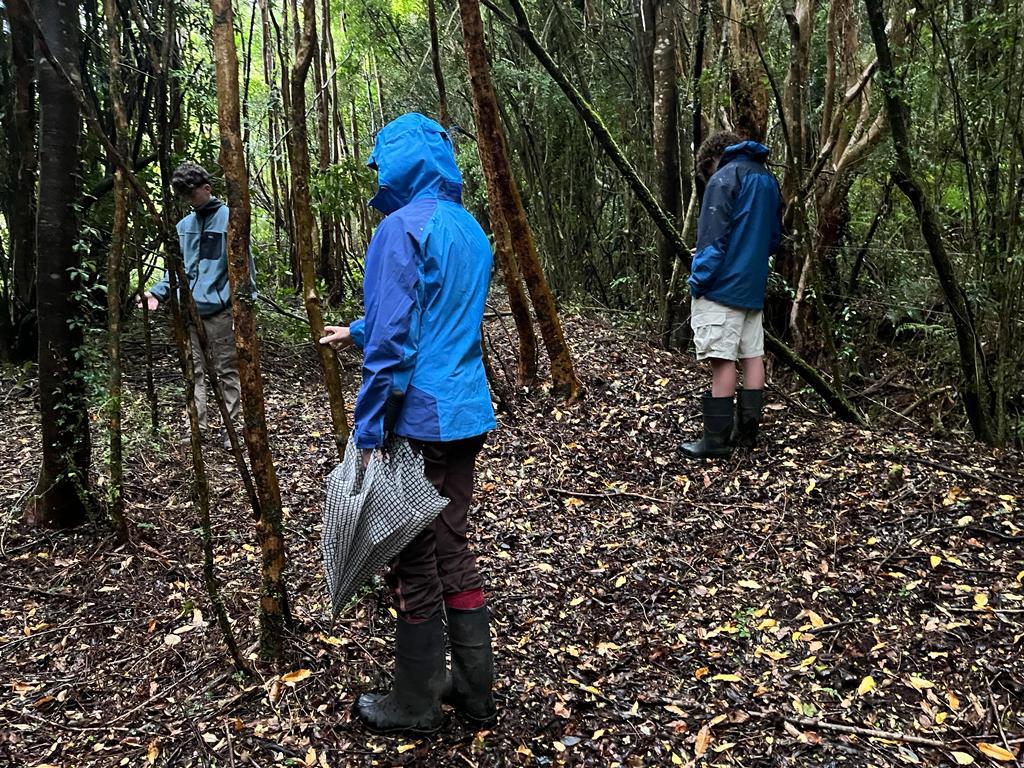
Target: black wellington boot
413 704
717 430
749 403
472 677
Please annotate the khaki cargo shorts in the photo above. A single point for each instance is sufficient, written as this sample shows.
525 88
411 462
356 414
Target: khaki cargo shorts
725 332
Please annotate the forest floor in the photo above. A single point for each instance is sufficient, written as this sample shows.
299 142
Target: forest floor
769 610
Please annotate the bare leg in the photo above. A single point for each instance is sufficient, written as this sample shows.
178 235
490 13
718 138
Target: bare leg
723 377
753 372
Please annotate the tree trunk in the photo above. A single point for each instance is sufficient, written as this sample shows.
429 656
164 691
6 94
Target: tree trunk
298 154
504 194
273 596
666 152
975 386
749 103
435 62
62 492
20 124
118 235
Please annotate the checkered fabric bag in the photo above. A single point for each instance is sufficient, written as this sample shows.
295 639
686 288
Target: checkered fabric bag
372 514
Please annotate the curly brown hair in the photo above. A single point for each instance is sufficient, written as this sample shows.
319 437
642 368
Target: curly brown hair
187 177
711 151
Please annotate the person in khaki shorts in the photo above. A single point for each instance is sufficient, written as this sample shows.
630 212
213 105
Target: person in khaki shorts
202 235
738 230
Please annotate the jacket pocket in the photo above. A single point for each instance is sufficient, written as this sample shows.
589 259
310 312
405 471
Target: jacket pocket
212 245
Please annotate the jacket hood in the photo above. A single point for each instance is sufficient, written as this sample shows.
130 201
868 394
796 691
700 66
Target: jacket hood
414 158
751 149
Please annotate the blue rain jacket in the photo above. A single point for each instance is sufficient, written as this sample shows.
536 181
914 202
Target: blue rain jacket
428 270
202 236
740 227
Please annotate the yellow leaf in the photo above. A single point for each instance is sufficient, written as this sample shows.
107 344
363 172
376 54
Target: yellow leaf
872 540
577 600
406 747
153 752
980 600
919 683
543 567
620 581
952 700
767 624
962 758
598 734
935 560
676 759
940 717
701 672
773 655
723 747
291 678
559 746
749 584
675 710
996 752
816 620
1020 577
703 740
810 486
866 685
728 678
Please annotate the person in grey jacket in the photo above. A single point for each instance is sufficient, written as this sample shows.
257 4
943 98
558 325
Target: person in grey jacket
202 235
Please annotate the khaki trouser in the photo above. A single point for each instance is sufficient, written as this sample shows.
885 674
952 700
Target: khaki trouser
221 339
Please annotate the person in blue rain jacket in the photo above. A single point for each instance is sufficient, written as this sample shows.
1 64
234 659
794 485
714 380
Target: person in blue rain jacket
427 274
738 231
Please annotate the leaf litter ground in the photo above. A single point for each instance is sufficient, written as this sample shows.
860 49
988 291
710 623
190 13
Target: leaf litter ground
774 609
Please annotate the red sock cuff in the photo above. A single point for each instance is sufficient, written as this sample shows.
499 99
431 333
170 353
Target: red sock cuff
469 600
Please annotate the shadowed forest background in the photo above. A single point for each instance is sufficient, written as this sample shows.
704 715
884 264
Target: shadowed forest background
848 594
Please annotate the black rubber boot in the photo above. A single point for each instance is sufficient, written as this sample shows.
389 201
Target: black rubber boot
472 677
749 403
717 430
413 704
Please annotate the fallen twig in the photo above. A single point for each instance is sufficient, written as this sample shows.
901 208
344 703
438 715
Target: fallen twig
815 722
608 495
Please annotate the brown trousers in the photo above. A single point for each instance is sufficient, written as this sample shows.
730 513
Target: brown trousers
221 338
439 562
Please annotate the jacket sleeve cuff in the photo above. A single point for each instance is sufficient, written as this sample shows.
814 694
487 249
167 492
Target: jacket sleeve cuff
357 329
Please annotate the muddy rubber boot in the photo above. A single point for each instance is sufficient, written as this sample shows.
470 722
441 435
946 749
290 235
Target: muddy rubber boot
717 430
472 677
749 404
413 704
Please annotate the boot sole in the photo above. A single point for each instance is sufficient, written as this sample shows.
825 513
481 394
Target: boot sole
417 730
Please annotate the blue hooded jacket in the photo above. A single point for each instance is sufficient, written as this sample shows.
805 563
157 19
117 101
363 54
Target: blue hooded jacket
740 227
202 236
428 270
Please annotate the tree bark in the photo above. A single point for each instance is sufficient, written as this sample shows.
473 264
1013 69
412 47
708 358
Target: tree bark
118 235
62 492
666 152
975 386
20 125
435 62
273 595
749 103
298 155
504 196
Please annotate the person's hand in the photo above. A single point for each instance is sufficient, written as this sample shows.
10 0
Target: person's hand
152 303
338 337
